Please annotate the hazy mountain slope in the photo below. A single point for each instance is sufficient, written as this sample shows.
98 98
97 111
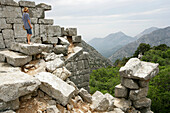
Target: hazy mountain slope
146 31
109 44
96 59
160 36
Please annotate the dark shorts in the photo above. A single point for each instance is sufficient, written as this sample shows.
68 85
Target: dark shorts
29 31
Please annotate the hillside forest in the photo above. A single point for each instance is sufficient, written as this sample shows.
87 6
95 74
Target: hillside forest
105 79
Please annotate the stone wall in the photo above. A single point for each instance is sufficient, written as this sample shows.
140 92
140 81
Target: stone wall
11 30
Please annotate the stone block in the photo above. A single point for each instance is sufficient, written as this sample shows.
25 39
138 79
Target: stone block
137 69
8 2
62 73
15 59
34 20
122 103
21 40
11 12
85 95
99 102
8 42
80 65
8 34
71 32
36 13
14 20
7 68
53 31
143 83
121 91
16 84
141 103
26 3
51 66
37 30
13 105
4 25
19 31
43 30
138 94
36 39
86 64
52 56
76 39
86 78
44 6
129 83
111 101
52 86
50 40
2 44
60 49
63 41
46 21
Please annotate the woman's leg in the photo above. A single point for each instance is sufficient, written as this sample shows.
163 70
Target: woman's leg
28 38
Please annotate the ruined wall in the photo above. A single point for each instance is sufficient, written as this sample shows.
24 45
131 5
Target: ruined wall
11 30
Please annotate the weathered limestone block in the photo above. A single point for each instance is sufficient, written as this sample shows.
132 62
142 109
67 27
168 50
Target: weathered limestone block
111 101
129 83
7 68
46 21
121 91
143 83
13 105
15 59
43 30
54 64
14 20
60 49
80 65
37 30
50 40
16 84
62 73
44 6
52 56
8 2
70 32
85 95
36 13
63 41
19 31
32 49
2 45
8 42
4 25
137 69
55 87
144 102
36 40
99 102
34 20
11 12
138 94
20 40
8 111
53 31
122 103
8 34
26 3
76 39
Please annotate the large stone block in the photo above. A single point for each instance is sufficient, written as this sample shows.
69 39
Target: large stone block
71 32
19 31
111 101
143 83
7 68
85 95
8 42
129 83
13 105
16 84
4 25
36 13
36 30
34 20
2 44
15 59
54 64
8 2
14 20
50 40
60 49
8 34
99 102
43 30
51 85
62 73
137 69
21 40
76 39
144 102
138 94
11 12
121 91
26 3
122 103
63 41
44 6
53 31
46 21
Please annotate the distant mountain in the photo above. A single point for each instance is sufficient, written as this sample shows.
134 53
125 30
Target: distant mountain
109 44
146 31
96 59
160 36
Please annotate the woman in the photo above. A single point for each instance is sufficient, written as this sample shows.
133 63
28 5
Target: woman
27 23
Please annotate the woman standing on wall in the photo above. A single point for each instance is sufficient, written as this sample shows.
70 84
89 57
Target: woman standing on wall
27 23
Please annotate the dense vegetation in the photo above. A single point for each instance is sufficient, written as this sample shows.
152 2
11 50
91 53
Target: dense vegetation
105 79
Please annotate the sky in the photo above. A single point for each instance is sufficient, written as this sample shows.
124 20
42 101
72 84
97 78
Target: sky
99 18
